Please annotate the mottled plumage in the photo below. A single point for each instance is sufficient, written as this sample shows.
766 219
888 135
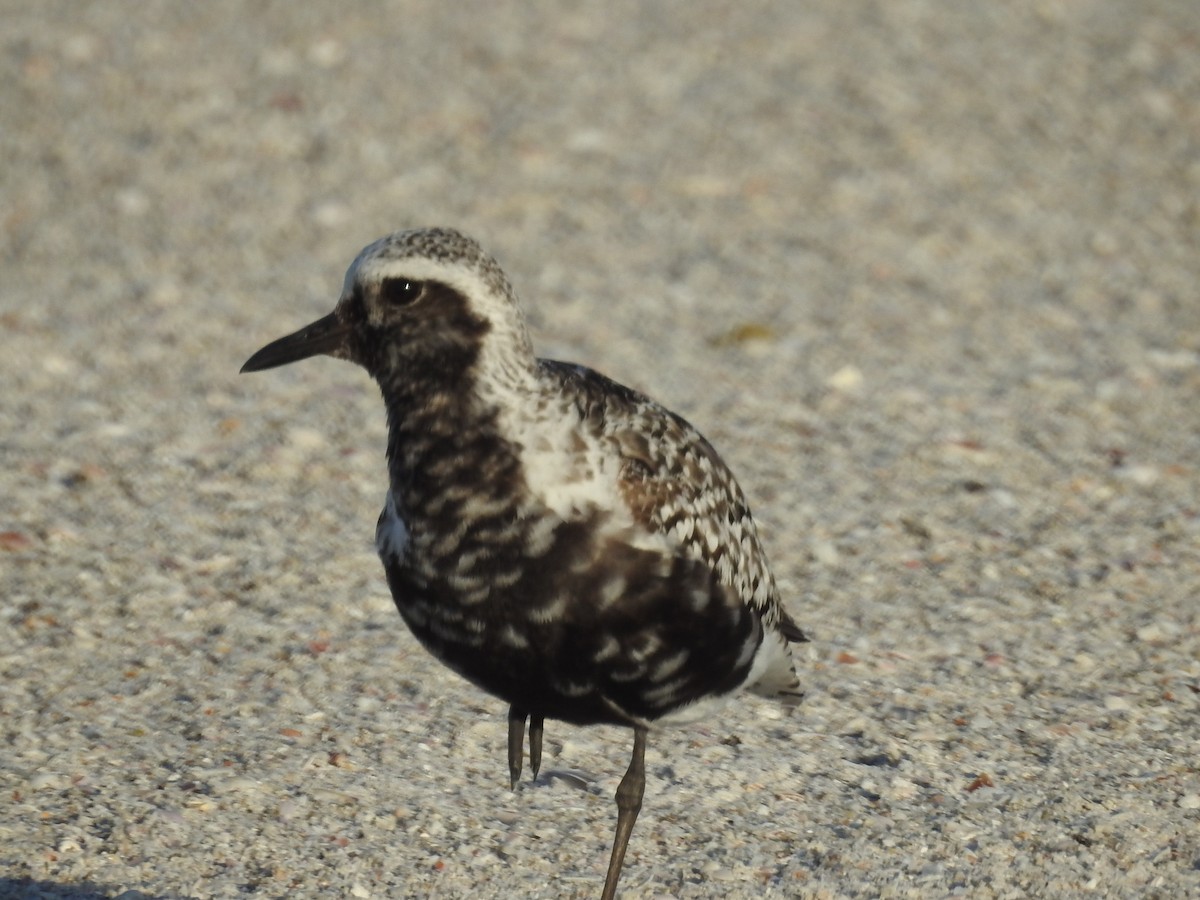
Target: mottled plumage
558 539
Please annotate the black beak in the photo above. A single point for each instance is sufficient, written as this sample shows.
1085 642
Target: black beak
327 335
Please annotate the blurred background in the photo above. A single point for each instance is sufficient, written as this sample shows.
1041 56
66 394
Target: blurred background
925 273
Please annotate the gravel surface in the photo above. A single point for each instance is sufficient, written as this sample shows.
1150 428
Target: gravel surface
927 275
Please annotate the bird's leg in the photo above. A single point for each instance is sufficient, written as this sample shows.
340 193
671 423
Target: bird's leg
516 742
629 804
535 743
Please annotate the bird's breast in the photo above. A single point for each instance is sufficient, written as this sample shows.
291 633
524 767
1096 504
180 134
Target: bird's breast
586 619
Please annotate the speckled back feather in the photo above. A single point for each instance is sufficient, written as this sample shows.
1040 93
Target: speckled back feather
676 484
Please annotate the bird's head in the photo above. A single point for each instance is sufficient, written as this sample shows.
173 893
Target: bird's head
423 303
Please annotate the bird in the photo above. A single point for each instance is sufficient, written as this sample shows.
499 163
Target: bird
560 540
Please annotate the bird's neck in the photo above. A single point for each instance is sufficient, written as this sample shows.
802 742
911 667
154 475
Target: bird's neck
446 435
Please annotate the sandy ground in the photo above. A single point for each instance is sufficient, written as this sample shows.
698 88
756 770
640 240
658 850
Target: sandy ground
927 275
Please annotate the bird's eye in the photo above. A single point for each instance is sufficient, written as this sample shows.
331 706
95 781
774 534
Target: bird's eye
400 291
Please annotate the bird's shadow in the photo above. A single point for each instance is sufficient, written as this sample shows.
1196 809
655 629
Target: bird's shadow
33 889
576 778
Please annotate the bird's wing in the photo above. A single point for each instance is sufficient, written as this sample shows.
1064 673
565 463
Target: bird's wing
692 623
676 485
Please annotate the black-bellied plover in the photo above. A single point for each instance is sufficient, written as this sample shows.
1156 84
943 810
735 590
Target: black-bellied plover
563 542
